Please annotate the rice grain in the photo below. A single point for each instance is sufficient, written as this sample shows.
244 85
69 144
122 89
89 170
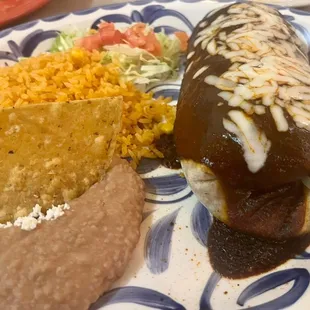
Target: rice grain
78 74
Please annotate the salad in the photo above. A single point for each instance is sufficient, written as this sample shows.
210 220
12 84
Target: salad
142 55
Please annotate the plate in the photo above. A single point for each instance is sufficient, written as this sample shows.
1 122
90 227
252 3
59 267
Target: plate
14 9
285 3
170 267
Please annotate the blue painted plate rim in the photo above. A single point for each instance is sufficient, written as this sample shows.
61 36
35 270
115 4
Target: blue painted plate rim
23 26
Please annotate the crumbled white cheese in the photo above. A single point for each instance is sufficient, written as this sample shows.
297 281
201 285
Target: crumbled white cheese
36 217
26 223
53 213
8 224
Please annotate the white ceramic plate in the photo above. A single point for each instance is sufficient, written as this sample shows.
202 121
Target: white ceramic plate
170 269
285 3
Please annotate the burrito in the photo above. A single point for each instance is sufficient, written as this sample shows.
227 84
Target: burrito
243 121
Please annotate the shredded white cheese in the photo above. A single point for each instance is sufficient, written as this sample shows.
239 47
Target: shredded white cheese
200 71
36 217
266 73
190 55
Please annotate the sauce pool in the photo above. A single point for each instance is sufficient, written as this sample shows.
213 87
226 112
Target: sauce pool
166 145
237 255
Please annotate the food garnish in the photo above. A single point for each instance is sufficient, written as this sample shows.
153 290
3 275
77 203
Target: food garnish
142 55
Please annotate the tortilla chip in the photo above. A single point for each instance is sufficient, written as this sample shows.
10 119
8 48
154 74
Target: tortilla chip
53 152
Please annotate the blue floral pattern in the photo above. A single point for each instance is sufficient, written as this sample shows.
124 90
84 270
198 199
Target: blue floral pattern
147 15
137 295
165 185
205 300
305 255
300 276
175 225
157 246
201 221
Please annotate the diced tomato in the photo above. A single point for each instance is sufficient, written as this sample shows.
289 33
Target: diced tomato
137 36
90 43
107 26
183 37
110 37
107 35
138 28
152 44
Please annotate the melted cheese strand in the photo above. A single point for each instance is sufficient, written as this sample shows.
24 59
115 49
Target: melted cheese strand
254 143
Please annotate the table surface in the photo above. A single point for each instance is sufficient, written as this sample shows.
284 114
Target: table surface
65 6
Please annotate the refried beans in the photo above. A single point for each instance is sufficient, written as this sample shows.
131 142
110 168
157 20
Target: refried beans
68 263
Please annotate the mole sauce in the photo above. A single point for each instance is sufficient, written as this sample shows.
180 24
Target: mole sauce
166 145
237 255
270 203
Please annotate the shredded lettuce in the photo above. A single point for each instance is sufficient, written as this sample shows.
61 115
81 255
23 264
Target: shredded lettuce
141 67
136 65
65 40
171 49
